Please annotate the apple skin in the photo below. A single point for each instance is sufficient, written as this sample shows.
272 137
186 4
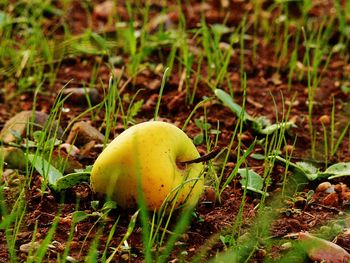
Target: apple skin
150 151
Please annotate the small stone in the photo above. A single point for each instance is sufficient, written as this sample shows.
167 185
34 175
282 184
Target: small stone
276 79
18 124
324 119
331 199
192 249
154 84
31 246
210 195
13 157
82 96
330 190
105 9
83 133
116 61
322 187
71 259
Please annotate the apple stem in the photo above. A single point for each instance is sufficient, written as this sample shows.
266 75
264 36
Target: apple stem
204 158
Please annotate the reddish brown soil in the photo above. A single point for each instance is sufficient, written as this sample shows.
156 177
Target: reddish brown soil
211 215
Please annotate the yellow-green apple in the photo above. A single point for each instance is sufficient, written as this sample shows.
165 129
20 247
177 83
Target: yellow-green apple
151 155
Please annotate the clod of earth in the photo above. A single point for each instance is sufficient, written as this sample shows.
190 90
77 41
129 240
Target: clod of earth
149 154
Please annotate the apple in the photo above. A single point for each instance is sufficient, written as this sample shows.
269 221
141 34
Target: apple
150 154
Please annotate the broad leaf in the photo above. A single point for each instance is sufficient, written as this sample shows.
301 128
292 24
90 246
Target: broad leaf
56 180
251 180
233 106
276 126
261 124
79 216
310 171
304 168
45 169
71 180
337 170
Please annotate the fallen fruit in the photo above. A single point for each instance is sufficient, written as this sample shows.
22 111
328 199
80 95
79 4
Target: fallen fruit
152 154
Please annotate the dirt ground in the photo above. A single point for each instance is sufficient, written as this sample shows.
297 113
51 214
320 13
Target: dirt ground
266 92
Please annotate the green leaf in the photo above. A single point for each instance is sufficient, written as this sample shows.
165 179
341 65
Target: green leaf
276 126
4 19
198 139
257 156
345 89
135 108
71 180
87 169
262 125
337 170
109 205
45 169
302 168
95 204
234 107
307 167
310 171
220 29
79 216
202 125
251 180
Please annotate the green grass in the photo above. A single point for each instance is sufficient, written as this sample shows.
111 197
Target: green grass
32 56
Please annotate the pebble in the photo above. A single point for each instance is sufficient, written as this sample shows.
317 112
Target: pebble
19 123
116 61
210 195
14 158
83 133
31 246
322 187
71 259
104 10
79 95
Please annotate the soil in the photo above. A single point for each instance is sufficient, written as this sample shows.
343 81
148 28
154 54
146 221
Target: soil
267 92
